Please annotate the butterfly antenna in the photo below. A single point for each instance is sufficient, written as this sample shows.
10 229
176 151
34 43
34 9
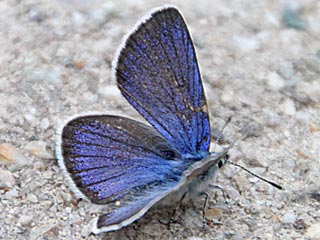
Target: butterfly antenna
257 176
244 135
220 133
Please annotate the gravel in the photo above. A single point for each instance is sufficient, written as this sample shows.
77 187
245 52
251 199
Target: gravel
55 62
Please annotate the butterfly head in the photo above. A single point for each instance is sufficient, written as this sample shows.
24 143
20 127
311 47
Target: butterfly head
222 157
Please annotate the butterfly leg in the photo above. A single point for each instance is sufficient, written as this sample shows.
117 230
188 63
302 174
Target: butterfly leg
172 219
224 195
205 203
206 200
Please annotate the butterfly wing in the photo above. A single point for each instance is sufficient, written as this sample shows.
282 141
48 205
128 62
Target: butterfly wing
108 157
126 165
119 162
157 72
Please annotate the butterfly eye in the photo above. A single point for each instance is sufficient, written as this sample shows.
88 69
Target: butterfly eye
223 161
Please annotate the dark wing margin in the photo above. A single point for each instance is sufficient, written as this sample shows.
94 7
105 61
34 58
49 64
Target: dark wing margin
157 72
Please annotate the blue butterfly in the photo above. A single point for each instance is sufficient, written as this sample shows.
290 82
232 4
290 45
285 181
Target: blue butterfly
129 166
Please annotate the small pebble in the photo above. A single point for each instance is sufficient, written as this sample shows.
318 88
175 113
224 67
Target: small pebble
288 218
312 91
74 218
272 19
12 156
272 119
299 224
242 183
316 196
213 214
252 224
6 179
46 203
288 107
314 128
25 220
246 44
30 116
36 15
291 19
38 148
252 156
13 193
98 17
227 97
68 210
6 153
286 70
38 165
312 63
78 19
32 198
255 208
112 93
275 81
79 64
44 124
232 192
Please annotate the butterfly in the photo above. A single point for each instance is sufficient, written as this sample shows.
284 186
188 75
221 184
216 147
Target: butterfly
128 166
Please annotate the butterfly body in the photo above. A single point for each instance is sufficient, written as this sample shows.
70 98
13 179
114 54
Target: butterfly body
127 166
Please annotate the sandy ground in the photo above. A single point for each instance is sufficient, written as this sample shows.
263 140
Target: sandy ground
260 62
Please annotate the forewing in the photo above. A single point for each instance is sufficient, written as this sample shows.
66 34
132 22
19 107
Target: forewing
157 72
110 158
